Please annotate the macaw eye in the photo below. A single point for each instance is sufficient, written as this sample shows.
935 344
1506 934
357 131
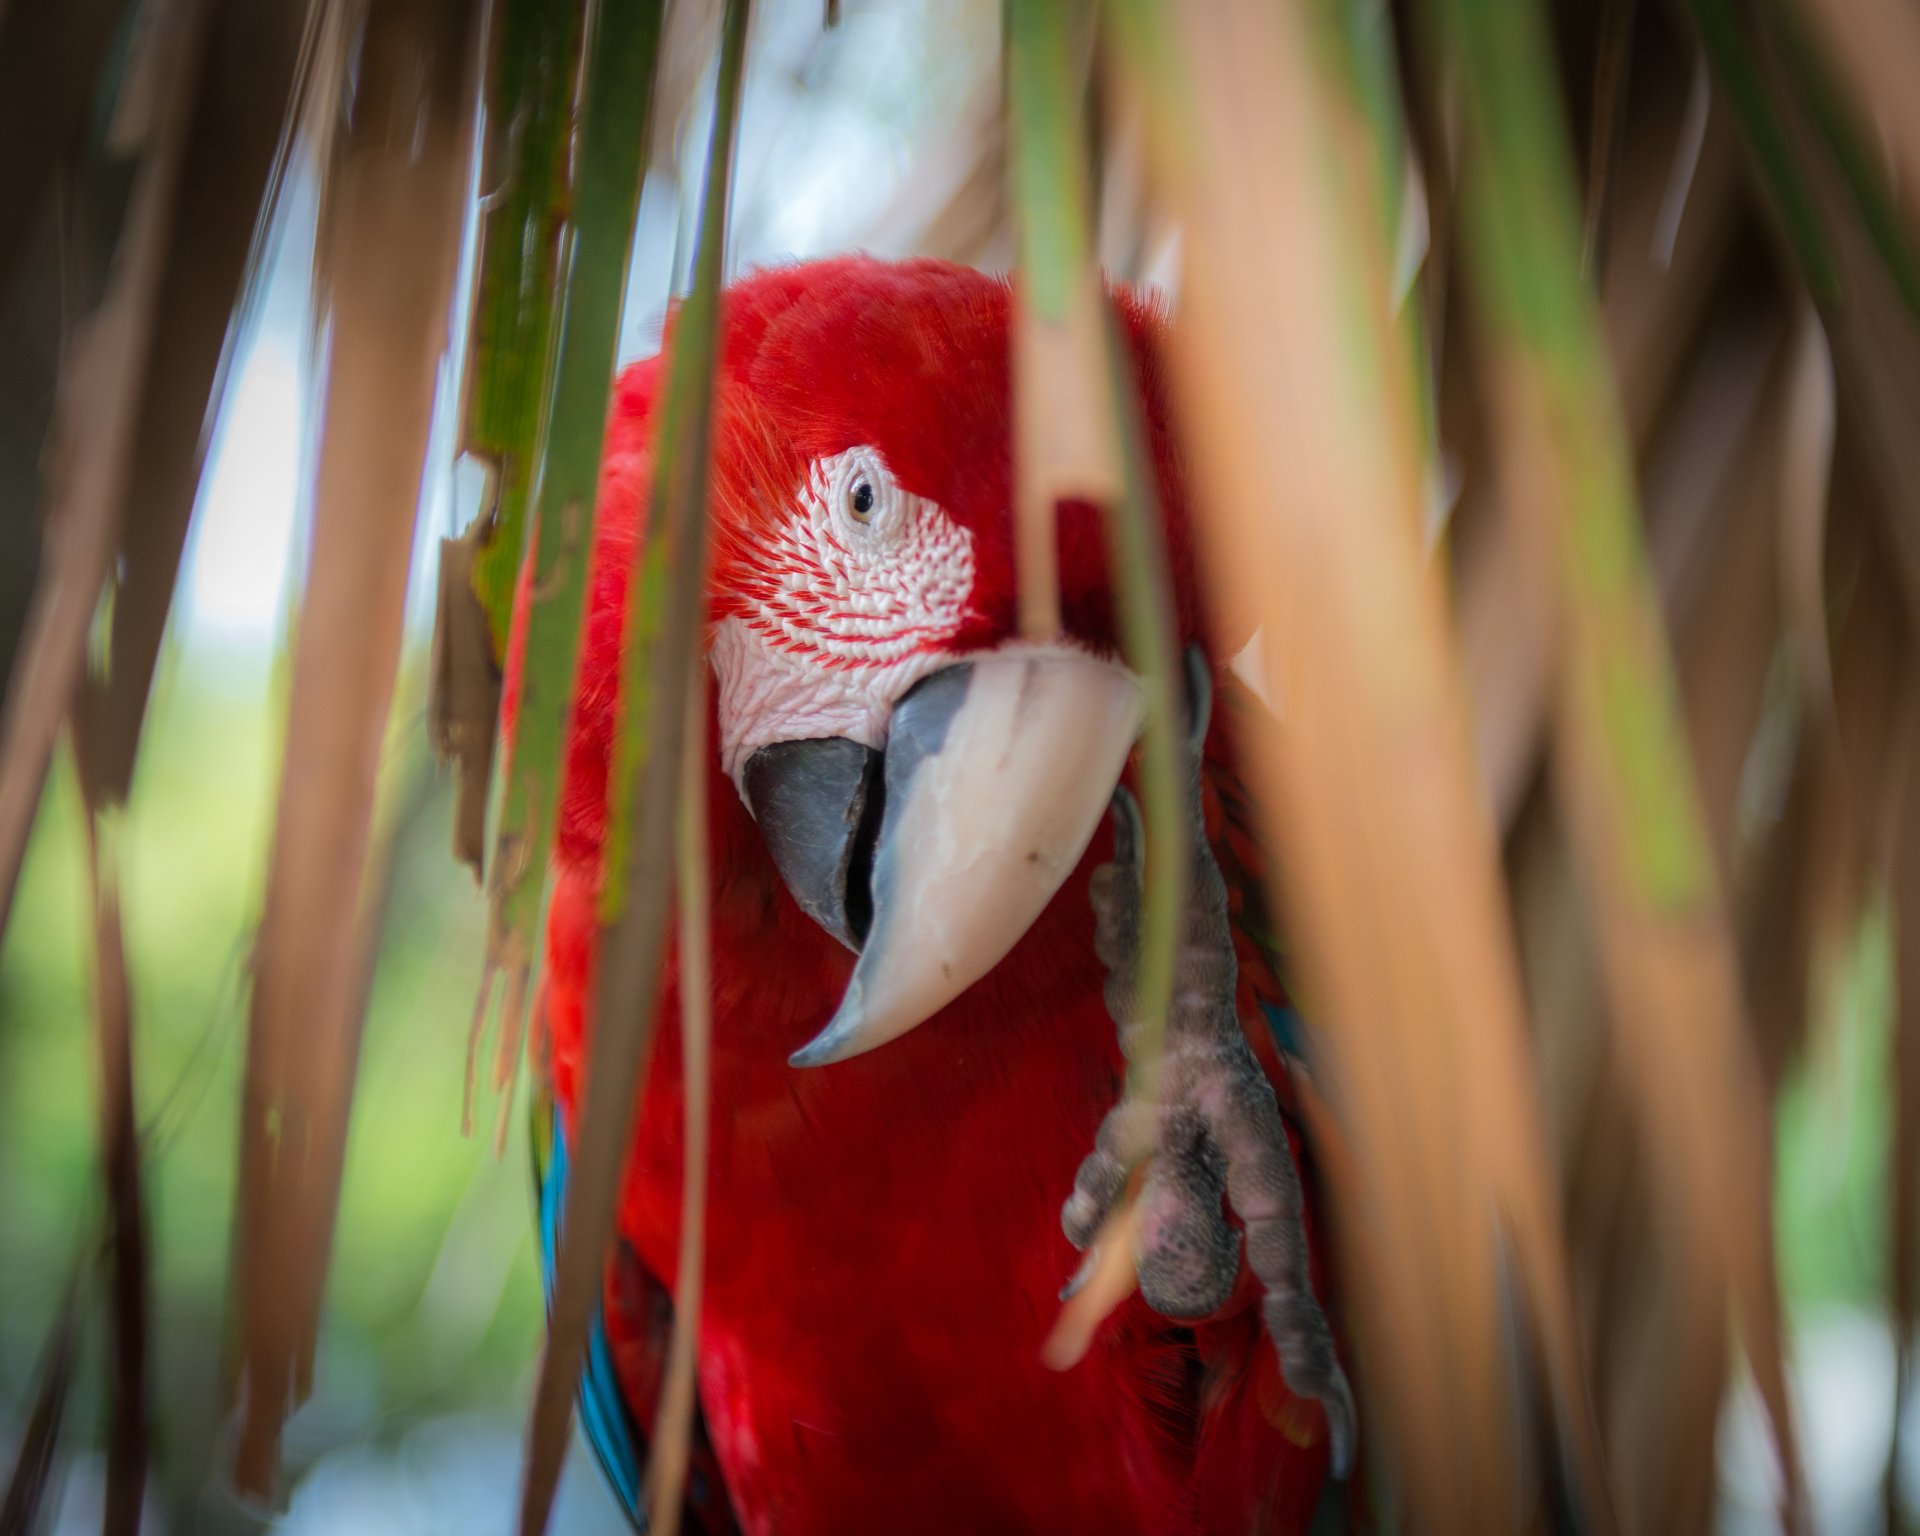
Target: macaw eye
857 492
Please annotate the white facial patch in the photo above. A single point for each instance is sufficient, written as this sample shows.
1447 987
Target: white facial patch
846 608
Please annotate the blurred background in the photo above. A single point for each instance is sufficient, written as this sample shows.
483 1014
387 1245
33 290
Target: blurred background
1767 505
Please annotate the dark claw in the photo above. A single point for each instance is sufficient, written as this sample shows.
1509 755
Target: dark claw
1081 1275
1126 1136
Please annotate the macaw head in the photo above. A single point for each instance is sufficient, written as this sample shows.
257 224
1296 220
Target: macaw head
923 778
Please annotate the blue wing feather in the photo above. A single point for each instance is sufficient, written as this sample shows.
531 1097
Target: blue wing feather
609 1426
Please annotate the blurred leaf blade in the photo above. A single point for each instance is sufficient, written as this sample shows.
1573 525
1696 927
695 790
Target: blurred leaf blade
1868 307
1869 37
663 619
1621 758
1723 35
622 43
1049 162
463 699
1295 415
1651 316
127 1267
1138 555
96 417
1063 436
392 209
533 74
51 60
1615 54
1355 46
23 1505
1903 1184
229 178
531 93
1078 434
666 612
673 1439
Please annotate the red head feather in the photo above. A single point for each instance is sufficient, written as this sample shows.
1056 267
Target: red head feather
912 359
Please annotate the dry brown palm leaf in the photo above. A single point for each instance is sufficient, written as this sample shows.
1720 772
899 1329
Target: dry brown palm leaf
1802 884
673 1437
1775 933
1132 231
1652 309
1710 482
393 206
90 459
1856 746
1869 286
50 63
1614 53
1877 45
1806 470
689 40
1725 602
228 175
463 704
128 1309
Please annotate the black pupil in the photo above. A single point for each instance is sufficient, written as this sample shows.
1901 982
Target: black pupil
862 499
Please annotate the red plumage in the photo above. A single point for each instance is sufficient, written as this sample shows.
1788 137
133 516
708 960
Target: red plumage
884 1251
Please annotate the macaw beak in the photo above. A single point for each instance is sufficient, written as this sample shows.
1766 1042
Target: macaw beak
933 857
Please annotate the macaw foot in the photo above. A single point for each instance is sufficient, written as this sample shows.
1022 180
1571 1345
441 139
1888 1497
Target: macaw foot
1214 1128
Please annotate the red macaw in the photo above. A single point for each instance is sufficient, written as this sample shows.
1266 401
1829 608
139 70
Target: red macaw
908 833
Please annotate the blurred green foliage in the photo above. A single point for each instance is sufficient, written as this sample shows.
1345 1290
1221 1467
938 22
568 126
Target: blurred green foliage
1835 1130
433 1301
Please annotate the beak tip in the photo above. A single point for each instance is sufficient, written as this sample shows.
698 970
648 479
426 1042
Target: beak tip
834 1043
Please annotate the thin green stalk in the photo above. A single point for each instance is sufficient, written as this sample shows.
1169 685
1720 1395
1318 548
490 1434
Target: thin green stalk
673 1425
1048 151
1138 555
